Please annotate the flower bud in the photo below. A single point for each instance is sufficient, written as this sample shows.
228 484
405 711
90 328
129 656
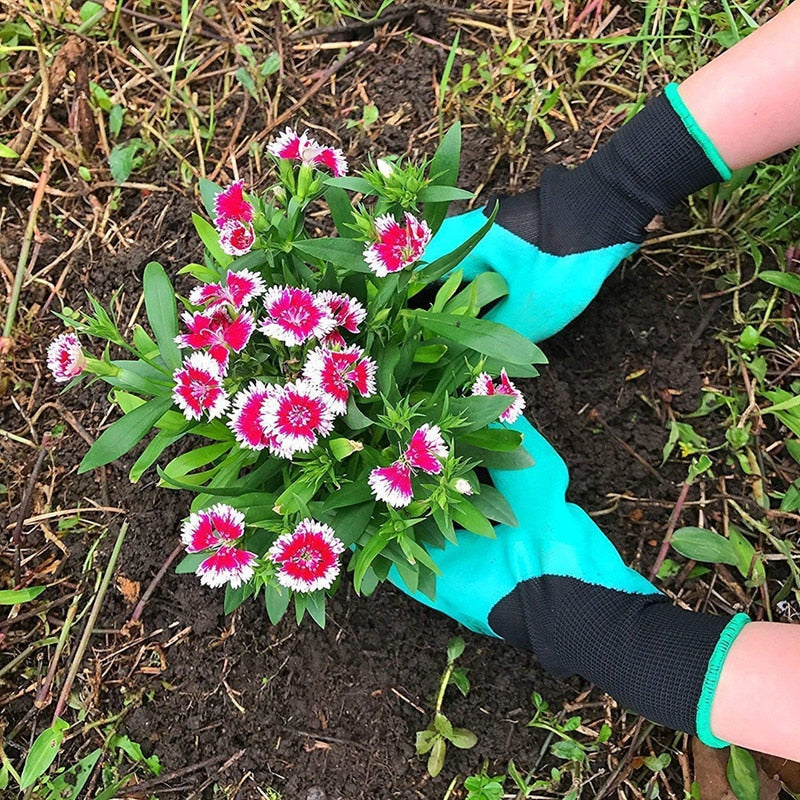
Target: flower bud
385 168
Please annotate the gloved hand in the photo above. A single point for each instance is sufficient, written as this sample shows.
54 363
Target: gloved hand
555 245
556 585
545 291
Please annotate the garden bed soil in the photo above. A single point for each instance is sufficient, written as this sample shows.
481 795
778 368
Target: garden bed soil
333 713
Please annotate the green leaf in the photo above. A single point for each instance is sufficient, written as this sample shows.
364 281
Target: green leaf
365 557
208 194
182 465
276 600
315 605
424 741
793 448
455 647
444 172
443 264
483 336
134 751
124 434
443 194
116 117
10 597
68 785
436 758
783 280
155 447
208 233
516 459
442 725
352 184
429 353
749 563
478 411
122 158
43 753
468 516
190 562
7 152
791 500
463 739
235 597
486 288
743 774
494 439
494 505
162 312
341 210
568 749
700 544
345 253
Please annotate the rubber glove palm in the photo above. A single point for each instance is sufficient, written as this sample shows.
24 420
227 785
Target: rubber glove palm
545 291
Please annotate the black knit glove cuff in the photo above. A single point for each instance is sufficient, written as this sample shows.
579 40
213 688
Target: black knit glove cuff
659 660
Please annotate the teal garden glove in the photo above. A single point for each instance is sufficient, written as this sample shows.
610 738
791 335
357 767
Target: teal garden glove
555 584
555 245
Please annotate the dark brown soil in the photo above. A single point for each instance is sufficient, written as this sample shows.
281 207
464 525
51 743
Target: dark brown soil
332 714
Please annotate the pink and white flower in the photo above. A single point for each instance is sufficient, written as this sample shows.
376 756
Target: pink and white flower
236 238
397 246
230 204
227 565
295 315
307 558
237 291
218 529
302 148
65 358
334 371
296 415
484 385
347 311
245 418
218 333
221 524
332 159
425 449
392 484
198 387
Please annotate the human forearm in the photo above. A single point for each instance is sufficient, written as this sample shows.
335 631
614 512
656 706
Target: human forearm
746 100
757 701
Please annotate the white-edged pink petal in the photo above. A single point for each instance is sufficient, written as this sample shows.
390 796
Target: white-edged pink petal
296 416
227 565
236 238
392 484
212 527
65 357
230 204
295 315
425 449
307 558
198 387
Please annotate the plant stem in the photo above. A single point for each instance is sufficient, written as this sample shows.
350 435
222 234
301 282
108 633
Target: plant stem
443 686
22 263
87 631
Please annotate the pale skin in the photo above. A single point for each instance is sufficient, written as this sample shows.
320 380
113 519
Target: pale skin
748 102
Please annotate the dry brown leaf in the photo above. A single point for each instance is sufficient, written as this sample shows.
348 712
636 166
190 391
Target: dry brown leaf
128 588
788 772
710 766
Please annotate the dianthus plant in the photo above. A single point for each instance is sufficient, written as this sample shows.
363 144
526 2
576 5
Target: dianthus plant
329 397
